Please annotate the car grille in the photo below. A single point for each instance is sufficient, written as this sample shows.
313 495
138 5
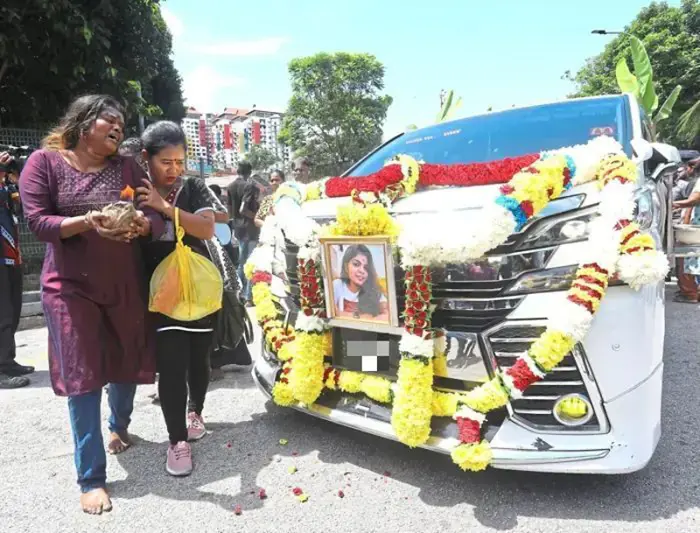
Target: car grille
505 343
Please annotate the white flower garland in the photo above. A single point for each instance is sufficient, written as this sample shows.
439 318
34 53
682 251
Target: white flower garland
420 247
416 345
310 323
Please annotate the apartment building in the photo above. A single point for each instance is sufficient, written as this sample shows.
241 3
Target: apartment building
225 139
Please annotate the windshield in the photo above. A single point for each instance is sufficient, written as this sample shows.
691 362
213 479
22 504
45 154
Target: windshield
509 133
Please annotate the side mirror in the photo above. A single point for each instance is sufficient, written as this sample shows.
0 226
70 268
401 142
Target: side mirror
643 149
668 152
664 158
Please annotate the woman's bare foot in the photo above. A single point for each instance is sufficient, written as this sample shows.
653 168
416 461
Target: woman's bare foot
96 502
119 442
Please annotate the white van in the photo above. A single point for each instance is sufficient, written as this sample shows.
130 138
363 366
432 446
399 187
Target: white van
495 308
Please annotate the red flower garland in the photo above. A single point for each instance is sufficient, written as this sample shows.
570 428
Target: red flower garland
469 430
457 175
522 375
311 299
261 277
376 183
417 314
468 175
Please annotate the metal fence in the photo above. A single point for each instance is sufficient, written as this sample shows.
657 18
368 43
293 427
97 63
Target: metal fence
33 250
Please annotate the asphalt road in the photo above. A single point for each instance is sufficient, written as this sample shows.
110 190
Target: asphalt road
386 486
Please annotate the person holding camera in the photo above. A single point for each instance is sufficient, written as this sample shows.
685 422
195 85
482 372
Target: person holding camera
12 374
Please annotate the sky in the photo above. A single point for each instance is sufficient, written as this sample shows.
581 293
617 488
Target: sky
493 53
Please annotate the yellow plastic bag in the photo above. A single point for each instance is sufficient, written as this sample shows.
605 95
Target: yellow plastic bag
185 286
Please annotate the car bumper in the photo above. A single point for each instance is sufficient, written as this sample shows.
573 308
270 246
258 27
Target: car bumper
627 447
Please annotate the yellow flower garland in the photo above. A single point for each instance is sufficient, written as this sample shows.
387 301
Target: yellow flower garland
411 173
444 403
282 394
550 348
412 410
306 376
474 457
547 185
487 397
358 219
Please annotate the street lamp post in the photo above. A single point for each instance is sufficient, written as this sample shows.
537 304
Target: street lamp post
606 32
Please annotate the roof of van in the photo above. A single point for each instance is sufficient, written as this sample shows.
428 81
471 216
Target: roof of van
573 101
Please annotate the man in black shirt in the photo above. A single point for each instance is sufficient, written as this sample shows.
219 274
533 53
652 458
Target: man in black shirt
243 203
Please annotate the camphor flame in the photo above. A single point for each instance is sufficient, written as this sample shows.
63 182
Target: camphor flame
127 194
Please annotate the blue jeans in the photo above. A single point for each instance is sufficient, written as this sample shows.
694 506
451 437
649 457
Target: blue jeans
86 422
245 249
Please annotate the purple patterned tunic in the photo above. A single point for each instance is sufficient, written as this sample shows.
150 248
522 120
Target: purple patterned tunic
93 290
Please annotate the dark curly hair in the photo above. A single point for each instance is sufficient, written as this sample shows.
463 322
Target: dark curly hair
79 117
369 297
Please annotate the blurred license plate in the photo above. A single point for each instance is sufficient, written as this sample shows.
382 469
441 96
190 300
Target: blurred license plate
365 351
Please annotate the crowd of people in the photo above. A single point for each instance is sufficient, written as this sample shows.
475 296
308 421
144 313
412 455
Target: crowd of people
95 278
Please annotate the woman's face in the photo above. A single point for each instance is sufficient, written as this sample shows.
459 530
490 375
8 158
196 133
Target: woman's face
106 133
275 181
357 270
167 165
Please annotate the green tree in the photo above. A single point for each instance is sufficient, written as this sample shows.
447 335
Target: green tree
54 50
261 159
671 36
336 111
642 85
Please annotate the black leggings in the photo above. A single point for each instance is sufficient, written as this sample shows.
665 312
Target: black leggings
183 362
10 310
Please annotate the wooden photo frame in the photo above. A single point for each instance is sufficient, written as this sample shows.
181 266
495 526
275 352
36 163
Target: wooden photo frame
359 282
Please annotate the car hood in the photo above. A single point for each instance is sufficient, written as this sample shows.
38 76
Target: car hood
435 200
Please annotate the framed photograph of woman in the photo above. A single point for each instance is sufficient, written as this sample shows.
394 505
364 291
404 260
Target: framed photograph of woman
359 281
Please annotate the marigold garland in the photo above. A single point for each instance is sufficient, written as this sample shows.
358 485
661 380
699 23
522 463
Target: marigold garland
306 375
413 402
444 404
363 219
473 457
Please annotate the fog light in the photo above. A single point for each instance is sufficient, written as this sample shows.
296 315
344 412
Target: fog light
573 410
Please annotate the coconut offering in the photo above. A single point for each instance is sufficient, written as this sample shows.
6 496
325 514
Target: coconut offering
120 215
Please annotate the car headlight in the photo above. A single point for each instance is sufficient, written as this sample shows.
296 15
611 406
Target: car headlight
558 230
548 279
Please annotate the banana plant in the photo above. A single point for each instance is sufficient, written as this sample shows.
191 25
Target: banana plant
449 106
641 83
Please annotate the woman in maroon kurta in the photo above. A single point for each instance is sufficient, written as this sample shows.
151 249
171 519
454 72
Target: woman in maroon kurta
92 281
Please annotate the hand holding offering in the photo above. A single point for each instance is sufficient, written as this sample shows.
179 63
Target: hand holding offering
119 221
120 215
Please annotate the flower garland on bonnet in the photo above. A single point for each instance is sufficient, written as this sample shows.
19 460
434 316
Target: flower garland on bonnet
616 246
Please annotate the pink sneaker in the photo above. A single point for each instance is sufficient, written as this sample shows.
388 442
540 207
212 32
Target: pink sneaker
179 459
195 427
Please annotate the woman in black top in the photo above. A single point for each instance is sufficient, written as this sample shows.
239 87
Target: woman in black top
183 348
